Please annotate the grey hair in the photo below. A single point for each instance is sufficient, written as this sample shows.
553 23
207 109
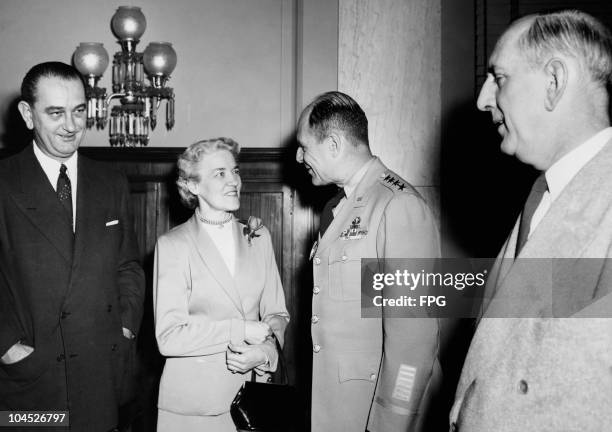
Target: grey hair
188 163
573 33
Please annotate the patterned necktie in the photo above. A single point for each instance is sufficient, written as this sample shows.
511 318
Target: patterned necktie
64 191
328 215
533 201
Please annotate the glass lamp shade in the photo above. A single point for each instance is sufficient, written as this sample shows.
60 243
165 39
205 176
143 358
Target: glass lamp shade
159 59
128 23
91 59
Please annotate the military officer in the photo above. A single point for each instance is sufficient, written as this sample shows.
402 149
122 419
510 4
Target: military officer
375 374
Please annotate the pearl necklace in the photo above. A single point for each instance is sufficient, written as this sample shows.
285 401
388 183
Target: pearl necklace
218 223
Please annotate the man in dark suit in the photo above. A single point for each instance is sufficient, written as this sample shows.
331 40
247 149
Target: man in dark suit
530 367
72 290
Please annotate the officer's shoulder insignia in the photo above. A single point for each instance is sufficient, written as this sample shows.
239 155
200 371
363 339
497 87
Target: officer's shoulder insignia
355 231
393 182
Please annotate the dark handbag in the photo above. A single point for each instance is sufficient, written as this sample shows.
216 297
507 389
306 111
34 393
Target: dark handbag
266 407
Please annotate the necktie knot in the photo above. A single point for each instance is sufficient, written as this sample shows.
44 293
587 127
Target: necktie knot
63 169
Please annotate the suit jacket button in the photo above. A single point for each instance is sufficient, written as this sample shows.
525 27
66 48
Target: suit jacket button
314 319
61 357
453 427
109 308
64 315
114 347
316 290
372 377
523 387
316 348
344 257
317 260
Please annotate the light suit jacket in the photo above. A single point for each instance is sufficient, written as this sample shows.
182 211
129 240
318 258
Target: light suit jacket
538 373
200 308
371 372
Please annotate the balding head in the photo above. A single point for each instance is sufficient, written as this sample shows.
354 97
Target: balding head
547 85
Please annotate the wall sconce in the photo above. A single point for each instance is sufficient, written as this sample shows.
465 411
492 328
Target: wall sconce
138 102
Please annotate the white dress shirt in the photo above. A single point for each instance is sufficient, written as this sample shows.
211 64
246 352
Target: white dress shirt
51 167
565 169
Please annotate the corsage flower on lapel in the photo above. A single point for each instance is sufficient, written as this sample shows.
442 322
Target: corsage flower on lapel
252 226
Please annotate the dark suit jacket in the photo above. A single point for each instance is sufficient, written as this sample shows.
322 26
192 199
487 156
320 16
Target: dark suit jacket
67 296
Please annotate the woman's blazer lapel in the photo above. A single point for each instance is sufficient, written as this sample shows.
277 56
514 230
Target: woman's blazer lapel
208 253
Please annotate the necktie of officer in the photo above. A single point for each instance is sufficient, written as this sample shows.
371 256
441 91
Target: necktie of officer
540 186
64 191
328 215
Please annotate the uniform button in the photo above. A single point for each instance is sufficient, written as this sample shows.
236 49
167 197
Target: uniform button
523 387
114 347
344 257
61 357
372 377
109 308
316 290
314 319
316 348
317 260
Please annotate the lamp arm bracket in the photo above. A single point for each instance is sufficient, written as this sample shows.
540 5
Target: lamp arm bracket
113 96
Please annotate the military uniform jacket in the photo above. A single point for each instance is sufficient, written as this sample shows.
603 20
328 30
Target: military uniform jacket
67 296
531 372
371 372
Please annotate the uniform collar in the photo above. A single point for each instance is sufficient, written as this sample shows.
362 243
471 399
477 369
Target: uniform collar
353 182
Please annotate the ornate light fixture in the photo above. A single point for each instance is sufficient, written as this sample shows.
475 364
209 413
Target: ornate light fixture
138 102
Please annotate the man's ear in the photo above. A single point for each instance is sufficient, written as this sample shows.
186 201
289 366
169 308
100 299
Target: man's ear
334 141
26 113
556 83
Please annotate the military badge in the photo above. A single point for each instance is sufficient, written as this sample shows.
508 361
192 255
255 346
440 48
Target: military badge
355 231
392 181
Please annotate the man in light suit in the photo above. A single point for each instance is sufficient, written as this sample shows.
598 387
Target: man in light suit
529 367
73 288
368 373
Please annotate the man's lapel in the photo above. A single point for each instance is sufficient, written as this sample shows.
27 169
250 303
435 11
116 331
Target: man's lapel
91 209
39 203
210 256
567 228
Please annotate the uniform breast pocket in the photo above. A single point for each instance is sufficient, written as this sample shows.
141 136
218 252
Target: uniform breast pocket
345 271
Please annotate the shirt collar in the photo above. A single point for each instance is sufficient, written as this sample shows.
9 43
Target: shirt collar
564 170
51 166
351 185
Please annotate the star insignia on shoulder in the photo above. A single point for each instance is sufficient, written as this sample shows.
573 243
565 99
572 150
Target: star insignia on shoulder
393 181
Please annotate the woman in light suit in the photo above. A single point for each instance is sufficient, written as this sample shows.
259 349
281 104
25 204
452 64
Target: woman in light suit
217 296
